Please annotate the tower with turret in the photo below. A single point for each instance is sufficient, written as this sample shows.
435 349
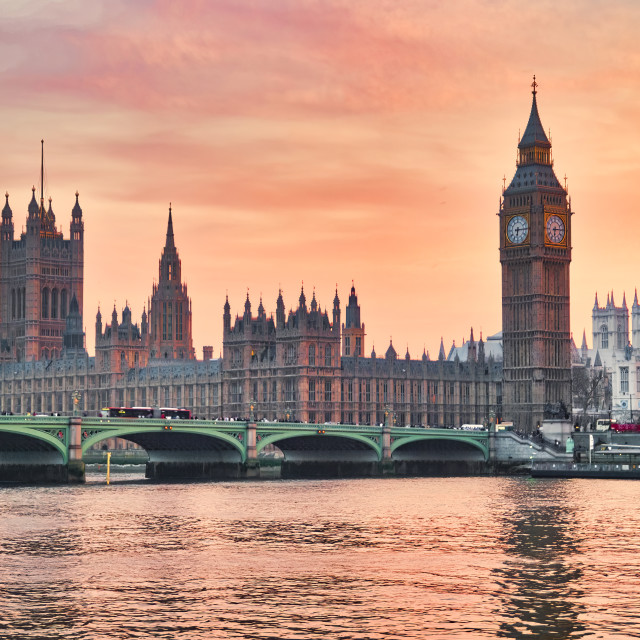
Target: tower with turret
40 273
170 307
535 254
353 330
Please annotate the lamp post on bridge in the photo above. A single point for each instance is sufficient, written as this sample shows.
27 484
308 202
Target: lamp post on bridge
75 398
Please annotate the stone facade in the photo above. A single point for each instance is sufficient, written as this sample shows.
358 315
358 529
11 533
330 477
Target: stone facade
293 370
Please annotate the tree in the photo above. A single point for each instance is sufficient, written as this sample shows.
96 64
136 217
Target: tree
589 387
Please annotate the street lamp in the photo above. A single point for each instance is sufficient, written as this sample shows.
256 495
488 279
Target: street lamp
75 396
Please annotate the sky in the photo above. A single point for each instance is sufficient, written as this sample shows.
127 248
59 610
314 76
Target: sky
320 143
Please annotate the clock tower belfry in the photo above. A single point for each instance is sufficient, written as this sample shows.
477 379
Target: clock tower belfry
535 254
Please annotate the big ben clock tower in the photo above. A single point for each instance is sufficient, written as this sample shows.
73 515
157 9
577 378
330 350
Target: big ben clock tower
535 254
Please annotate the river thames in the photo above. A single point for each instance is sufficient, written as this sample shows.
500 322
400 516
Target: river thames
366 559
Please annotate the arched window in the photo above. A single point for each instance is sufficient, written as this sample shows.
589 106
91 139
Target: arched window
45 303
327 356
45 354
312 355
63 304
604 336
122 359
54 303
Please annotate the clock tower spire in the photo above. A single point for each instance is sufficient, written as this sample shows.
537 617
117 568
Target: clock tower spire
535 254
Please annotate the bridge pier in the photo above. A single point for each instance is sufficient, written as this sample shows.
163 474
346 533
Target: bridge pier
75 464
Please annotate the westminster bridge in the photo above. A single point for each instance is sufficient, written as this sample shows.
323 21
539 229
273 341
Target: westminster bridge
43 448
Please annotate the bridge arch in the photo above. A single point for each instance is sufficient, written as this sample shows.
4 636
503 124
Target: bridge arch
23 444
328 445
163 442
439 447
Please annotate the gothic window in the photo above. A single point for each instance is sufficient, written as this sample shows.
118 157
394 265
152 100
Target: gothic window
23 303
54 303
327 390
312 355
135 359
45 303
179 321
358 350
350 391
347 346
122 359
63 304
170 321
327 356
289 391
624 379
604 335
164 320
312 390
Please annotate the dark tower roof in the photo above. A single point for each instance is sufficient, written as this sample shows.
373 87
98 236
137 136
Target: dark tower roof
6 212
535 165
534 134
74 308
77 209
391 352
33 205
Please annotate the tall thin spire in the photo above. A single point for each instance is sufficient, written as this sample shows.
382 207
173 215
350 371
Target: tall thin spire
42 171
170 241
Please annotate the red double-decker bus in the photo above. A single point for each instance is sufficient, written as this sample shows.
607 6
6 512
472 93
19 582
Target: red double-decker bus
167 413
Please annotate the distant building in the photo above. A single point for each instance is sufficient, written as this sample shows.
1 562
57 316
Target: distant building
616 351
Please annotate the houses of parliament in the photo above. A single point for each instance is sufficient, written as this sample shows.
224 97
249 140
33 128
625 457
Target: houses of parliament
310 364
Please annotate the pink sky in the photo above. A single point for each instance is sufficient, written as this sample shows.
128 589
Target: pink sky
322 141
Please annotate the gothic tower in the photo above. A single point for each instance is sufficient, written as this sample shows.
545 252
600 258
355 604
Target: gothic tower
170 307
39 275
535 254
353 329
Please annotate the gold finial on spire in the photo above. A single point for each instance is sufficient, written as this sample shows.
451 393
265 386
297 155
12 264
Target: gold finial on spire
565 181
534 84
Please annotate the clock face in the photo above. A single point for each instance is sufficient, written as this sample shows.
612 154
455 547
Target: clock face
555 229
517 230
